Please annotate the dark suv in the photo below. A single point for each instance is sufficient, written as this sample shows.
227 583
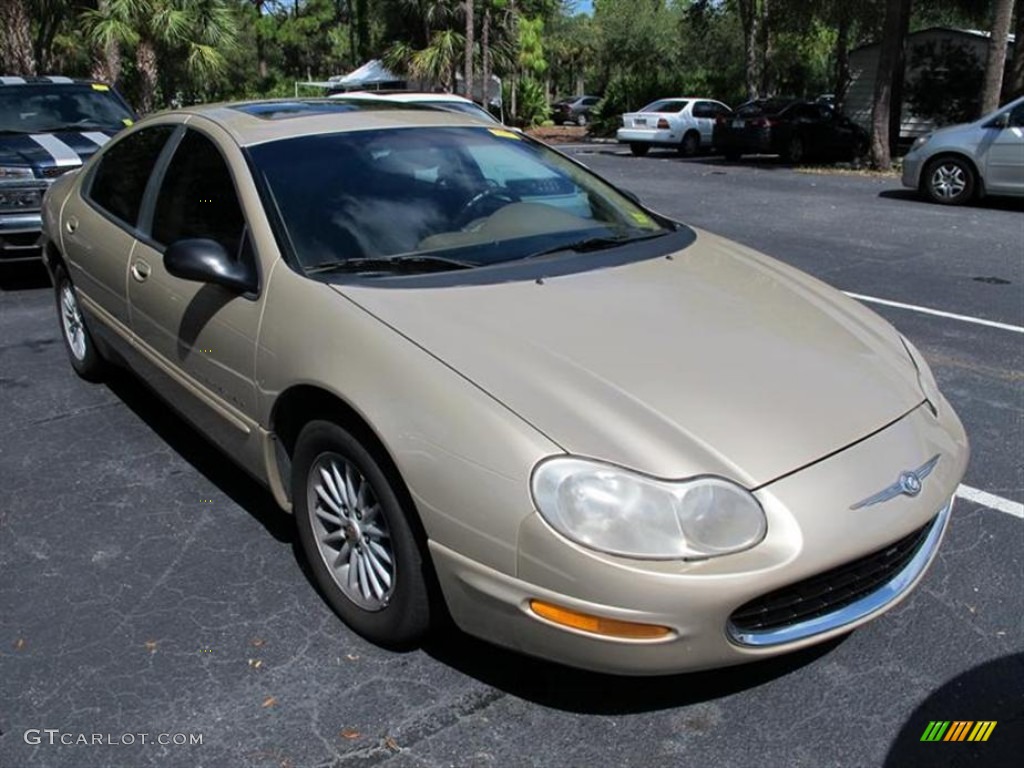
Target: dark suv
48 126
575 110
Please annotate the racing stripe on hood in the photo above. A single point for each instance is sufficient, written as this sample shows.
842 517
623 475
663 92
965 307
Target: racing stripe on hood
97 138
63 156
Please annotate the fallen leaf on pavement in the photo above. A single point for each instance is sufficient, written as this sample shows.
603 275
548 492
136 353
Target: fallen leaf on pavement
350 733
270 701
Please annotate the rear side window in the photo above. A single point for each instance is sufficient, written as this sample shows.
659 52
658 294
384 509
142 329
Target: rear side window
666 105
124 170
198 198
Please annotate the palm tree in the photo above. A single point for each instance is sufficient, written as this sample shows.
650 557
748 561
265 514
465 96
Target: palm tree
197 32
468 53
16 56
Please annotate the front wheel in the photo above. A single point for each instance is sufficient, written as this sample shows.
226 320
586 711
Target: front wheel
78 343
581 120
356 535
795 150
949 181
639 150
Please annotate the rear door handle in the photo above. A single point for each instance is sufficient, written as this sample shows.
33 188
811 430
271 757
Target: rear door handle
140 271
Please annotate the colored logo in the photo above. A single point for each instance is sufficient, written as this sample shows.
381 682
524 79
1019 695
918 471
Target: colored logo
959 730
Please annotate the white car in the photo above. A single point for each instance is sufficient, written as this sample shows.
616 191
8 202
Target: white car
685 123
986 157
446 101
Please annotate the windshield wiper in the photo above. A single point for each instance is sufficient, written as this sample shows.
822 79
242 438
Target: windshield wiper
589 244
409 262
77 127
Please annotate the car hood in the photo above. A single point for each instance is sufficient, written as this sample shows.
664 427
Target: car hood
46 153
719 360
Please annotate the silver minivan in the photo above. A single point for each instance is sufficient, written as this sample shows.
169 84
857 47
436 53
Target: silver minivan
952 165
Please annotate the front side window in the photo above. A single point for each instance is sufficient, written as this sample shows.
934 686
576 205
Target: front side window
197 198
1017 117
477 196
124 170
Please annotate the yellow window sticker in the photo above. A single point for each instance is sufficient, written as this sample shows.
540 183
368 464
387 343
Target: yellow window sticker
640 218
505 134
128 121
100 87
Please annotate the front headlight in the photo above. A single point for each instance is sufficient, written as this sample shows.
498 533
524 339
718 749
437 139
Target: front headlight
919 142
925 377
625 513
15 173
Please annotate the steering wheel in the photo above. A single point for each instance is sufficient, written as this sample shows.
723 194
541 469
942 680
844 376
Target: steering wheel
474 208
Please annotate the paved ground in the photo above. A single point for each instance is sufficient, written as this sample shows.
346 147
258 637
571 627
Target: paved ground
148 587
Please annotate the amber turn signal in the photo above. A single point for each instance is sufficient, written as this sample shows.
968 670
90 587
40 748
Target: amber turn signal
596 624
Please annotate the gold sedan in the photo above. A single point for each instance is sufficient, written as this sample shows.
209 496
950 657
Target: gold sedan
485 382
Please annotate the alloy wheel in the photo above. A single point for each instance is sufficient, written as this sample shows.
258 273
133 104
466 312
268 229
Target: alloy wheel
71 320
352 534
948 181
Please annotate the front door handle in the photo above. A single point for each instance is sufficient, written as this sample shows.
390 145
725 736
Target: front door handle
140 271
71 225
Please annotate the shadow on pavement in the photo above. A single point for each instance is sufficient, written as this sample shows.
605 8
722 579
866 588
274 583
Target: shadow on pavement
574 690
992 203
207 459
990 691
23 276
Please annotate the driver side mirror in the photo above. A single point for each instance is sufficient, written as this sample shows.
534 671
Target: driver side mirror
206 261
999 121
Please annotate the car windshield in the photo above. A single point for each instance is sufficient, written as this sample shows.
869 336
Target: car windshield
68 107
665 105
436 198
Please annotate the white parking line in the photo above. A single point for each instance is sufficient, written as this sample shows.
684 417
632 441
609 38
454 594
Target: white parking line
936 312
991 501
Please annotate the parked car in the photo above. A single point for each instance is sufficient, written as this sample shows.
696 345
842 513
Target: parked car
955 164
48 126
685 123
797 130
449 102
576 110
481 377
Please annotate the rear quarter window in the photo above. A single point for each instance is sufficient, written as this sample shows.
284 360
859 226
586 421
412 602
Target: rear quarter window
123 172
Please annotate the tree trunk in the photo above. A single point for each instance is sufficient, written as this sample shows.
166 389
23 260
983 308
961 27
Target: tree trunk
767 50
362 32
842 54
16 57
899 73
485 51
467 74
145 61
892 42
1014 84
751 22
106 64
1002 12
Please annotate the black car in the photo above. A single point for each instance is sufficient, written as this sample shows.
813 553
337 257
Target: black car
797 130
575 110
48 126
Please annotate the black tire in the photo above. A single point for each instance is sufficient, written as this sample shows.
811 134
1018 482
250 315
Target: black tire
78 342
731 156
690 144
796 151
639 150
581 120
401 616
949 180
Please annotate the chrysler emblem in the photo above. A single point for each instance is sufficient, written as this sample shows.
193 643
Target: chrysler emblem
907 484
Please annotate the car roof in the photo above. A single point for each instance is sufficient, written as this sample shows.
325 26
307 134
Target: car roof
13 80
406 97
257 122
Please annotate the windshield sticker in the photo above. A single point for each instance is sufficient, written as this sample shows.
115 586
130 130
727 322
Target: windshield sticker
641 218
100 87
128 121
505 134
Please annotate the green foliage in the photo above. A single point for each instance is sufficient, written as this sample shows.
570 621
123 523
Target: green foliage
532 105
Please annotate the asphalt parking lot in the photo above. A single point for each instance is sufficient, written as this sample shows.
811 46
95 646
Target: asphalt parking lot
149 587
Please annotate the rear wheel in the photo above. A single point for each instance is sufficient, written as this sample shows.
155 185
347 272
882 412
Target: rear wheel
581 119
690 144
949 181
78 343
639 150
356 535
